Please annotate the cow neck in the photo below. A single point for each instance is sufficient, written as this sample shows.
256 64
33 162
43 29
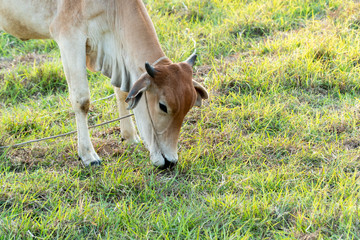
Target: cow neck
141 41
131 40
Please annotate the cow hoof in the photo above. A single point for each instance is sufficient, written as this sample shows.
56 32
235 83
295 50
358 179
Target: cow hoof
96 163
131 141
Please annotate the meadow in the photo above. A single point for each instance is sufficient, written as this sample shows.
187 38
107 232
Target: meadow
273 154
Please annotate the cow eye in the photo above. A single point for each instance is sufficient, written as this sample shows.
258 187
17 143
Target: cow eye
163 107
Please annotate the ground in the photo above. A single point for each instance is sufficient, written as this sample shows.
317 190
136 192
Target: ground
273 154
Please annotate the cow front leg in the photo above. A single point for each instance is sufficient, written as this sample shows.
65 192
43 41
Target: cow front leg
81 102
128 131
73 54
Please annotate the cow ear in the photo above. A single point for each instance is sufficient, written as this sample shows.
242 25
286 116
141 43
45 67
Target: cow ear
191 60
136 92
201 93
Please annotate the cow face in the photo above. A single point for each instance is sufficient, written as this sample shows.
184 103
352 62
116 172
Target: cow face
161 98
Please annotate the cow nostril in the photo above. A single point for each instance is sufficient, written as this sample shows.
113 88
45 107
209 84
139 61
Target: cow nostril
167 165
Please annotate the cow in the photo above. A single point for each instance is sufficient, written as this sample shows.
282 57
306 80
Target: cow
117 38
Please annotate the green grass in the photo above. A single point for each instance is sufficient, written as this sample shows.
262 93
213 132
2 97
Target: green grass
273 154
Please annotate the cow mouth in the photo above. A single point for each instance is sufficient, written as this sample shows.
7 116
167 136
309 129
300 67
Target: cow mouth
167 165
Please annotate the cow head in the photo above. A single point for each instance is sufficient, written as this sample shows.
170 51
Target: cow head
161 98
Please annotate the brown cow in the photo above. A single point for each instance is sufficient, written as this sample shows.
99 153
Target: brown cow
115 37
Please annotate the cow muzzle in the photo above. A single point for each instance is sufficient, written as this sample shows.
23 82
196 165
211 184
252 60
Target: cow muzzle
161 161
168 164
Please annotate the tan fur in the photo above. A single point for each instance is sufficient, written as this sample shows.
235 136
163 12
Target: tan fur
17 18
